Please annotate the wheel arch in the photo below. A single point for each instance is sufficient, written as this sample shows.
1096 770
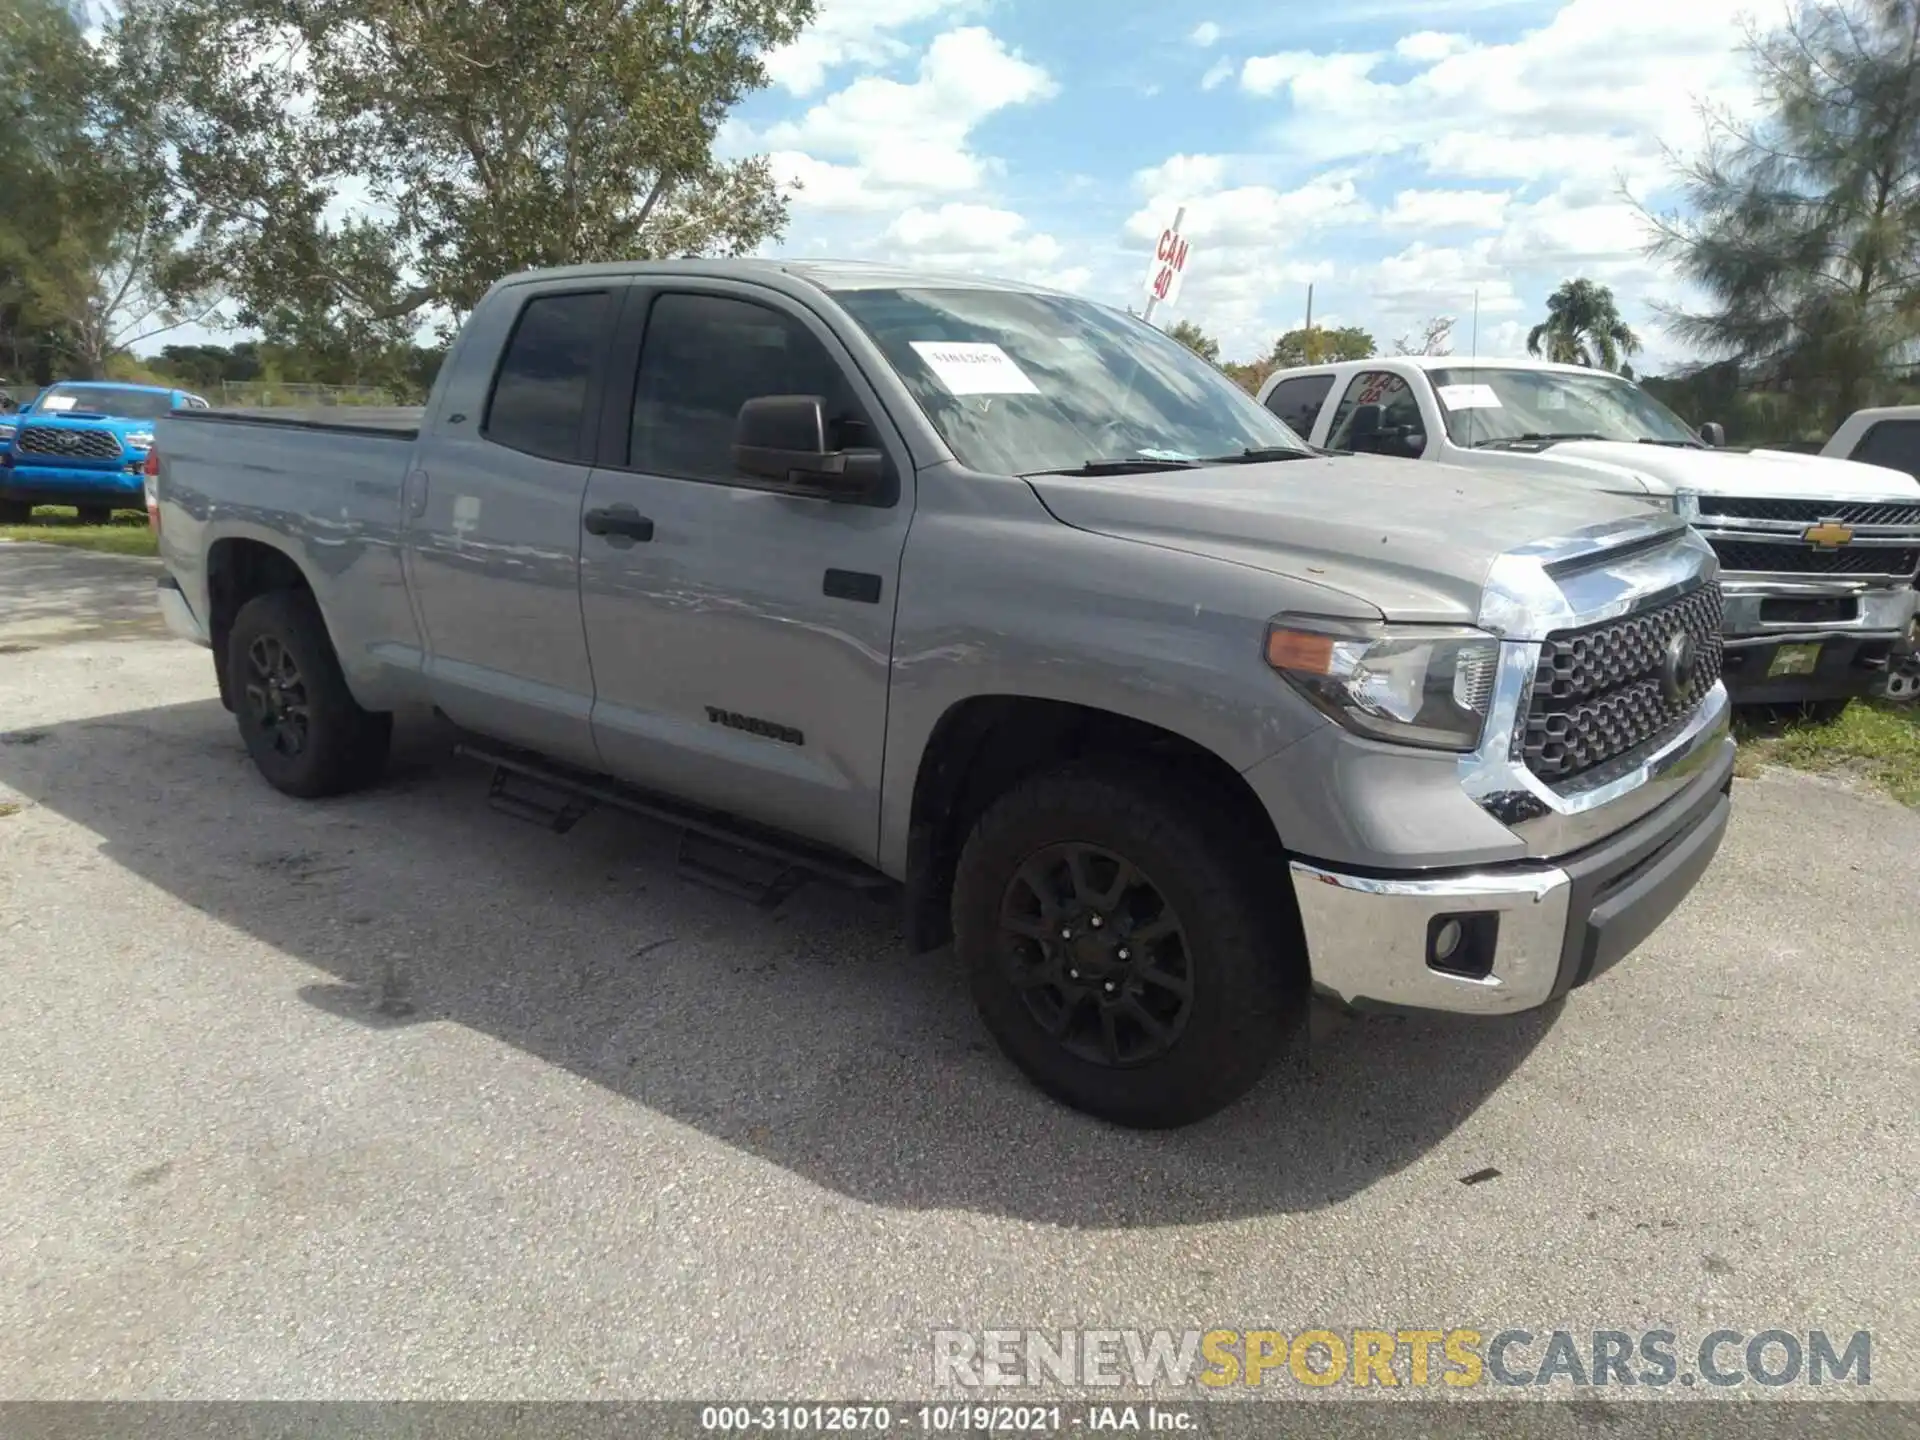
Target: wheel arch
983 745
239 568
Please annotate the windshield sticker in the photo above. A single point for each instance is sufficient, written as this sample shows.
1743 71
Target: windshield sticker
1469 397
58 402
968 367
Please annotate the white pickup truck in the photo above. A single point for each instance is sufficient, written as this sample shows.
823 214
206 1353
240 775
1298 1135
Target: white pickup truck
1817 554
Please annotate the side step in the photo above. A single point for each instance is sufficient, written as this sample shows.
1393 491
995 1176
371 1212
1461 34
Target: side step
715 850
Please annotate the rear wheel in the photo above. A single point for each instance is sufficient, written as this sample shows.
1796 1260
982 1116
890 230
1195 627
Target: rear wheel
1120 946
301 724
95 514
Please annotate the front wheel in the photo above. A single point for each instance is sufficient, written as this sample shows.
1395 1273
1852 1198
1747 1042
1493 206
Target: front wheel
15 512
1121 949
301 724
95 514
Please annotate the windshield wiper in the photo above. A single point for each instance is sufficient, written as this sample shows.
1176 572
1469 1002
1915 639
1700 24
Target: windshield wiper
1258 454
1135 465
1547 437
1675 444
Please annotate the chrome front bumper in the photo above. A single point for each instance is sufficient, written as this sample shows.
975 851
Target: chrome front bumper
1879 609
1551 926
178 614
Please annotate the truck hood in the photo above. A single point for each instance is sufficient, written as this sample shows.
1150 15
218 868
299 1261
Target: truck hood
1413 540
1662 470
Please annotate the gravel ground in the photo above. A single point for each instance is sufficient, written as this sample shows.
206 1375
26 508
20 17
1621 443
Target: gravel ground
397 1097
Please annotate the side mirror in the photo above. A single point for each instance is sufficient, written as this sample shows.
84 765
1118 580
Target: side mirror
782 439
1411 443
1364 432
1714 433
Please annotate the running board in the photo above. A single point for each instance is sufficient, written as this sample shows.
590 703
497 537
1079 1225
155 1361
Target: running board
715 850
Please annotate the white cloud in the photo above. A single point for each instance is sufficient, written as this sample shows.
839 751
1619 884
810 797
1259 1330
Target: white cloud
1445 209
880 144
1181 175
1427 46
1316 81
973 238
853 32
1218 74
1204 34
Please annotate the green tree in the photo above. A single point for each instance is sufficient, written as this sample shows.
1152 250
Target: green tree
357 167
1804 226
1319 346
1583 327
1196 340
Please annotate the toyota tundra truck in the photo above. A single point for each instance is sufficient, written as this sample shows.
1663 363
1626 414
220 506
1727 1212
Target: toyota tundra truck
1000 601
1817 555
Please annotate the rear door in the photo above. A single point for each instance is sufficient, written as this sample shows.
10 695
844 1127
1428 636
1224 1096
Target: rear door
740 638
493 528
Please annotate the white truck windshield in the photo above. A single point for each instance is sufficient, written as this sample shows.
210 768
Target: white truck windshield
1018 383
1494 405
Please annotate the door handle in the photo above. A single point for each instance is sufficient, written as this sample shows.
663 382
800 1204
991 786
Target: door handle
415 489
621 520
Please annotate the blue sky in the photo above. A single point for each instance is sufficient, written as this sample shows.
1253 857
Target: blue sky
1399 154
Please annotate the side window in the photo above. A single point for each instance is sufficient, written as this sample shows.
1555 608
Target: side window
1892 443
539 400
704 356
1402 432
1297 402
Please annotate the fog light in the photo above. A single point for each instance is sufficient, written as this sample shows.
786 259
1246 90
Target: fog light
1463 944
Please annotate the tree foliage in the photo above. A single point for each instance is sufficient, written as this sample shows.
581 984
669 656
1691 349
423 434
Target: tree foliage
1583 327
1196 340
350 166
1805 225
1436 338
1319 346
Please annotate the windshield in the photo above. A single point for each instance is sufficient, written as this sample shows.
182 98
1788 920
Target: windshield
1018 383
118 401
1485 404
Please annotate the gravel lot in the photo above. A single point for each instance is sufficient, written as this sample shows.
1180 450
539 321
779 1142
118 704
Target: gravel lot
396 1096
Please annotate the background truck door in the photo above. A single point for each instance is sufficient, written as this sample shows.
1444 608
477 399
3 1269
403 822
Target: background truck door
741 638
493 528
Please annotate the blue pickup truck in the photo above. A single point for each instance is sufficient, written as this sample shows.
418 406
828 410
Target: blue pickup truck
82 443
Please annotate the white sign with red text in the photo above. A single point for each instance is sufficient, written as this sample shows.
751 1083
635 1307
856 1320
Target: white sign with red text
1169 264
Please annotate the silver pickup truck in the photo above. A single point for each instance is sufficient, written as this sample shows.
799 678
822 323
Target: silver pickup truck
1003 600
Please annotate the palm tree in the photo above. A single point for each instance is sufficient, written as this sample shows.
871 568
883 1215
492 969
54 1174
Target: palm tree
1583 327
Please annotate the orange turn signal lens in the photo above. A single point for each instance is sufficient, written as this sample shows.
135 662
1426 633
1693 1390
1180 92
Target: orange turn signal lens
1300 651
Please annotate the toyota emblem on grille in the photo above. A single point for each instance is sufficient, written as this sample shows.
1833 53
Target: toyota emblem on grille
1676 665
65 440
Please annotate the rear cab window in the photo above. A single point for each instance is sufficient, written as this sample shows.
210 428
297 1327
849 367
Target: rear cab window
544 391
1892 443
1297 401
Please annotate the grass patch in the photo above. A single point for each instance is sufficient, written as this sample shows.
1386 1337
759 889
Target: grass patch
1876 741
126 534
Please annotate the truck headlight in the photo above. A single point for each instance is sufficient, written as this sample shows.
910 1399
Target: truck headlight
1426 685
140 440
6 433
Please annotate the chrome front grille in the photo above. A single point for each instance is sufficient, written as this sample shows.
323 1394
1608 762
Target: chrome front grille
1794 557
1621 686
1812 512
64 444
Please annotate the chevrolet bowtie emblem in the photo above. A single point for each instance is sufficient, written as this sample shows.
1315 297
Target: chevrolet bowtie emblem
1828 534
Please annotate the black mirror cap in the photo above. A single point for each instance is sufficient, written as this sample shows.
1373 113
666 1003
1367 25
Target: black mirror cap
1714 433
1366 421
794 424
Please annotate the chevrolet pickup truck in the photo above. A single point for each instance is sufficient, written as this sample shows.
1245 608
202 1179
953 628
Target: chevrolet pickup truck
81 443
1003 602
1817 555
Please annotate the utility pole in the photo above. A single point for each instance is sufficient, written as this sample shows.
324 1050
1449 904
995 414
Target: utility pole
1308 348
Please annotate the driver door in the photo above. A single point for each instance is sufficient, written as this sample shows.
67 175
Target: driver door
741 638
1403 431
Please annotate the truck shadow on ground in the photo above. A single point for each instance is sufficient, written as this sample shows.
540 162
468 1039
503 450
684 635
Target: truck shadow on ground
805 1035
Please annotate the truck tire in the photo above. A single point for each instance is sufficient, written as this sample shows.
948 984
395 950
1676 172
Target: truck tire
301 724
95 514
1121 947
15 512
